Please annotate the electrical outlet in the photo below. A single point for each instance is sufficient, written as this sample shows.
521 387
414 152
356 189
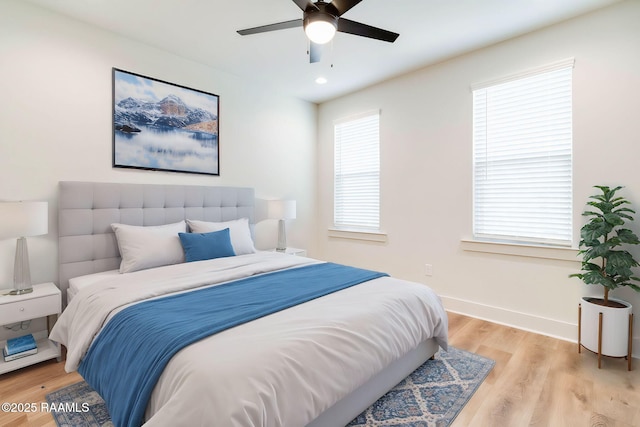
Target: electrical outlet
428 270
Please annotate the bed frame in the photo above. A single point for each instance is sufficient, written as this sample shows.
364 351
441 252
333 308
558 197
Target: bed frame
88 245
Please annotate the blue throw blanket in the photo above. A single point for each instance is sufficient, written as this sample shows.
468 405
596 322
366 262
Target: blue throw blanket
126 359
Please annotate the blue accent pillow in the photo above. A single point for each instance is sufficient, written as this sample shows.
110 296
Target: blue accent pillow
201 246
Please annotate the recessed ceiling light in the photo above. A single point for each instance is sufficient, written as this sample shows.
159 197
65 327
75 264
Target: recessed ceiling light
321 80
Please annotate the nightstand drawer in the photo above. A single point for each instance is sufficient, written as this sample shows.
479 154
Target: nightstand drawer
27 309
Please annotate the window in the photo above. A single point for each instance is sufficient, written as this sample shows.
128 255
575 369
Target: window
357 173
522 157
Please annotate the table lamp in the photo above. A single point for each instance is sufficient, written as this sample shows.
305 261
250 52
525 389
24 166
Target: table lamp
22 219
281 210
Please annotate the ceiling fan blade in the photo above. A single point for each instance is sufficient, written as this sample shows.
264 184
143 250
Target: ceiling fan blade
304 4
343 5
271 27
315 52
364 30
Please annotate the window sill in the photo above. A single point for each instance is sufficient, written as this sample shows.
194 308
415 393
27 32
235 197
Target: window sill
522 250
368 236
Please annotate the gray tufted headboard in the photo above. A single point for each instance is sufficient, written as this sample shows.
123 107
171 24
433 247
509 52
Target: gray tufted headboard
86 210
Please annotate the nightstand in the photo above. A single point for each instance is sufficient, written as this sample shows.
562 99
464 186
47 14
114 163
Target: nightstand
44 301
293 251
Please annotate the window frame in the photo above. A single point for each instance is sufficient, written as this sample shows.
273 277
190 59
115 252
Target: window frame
522 239
342 228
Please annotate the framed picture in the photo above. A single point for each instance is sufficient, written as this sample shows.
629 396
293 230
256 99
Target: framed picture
163 126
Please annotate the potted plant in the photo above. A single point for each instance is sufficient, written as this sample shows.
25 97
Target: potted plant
605 262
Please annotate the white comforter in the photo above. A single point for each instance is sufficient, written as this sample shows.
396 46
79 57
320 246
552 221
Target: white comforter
281 370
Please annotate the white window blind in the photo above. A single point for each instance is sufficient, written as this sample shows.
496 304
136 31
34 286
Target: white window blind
522 156
357 172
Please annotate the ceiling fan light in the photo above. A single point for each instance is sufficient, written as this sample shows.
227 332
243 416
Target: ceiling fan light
320 31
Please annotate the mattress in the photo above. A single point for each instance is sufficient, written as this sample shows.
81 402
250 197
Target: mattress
281 370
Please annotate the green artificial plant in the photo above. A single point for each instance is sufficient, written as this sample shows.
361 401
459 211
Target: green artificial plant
604 261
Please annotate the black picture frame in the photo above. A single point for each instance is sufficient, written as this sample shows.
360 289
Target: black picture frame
164 126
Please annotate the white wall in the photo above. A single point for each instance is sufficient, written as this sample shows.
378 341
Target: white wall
55 124
426 178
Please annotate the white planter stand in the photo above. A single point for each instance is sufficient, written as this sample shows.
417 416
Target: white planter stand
606 331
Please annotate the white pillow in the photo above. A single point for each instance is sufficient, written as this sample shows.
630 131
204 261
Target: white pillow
147 247
238 231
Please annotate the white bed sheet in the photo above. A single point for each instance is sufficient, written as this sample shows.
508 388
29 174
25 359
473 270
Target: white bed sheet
81 282
281 370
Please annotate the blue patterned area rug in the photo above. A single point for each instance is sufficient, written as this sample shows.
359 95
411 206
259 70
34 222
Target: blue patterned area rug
78 405
432 395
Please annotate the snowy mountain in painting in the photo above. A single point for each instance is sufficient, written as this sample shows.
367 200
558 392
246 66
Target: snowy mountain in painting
170 112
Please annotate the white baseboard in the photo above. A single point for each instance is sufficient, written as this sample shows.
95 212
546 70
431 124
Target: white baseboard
539 325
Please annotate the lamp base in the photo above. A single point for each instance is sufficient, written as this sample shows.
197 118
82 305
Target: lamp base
21 273
21 291
282 237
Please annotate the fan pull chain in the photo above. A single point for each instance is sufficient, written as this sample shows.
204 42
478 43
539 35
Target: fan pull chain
331 53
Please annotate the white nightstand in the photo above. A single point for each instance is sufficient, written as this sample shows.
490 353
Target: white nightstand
44 301
293 251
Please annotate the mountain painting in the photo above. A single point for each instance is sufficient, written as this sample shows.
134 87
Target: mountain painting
163 126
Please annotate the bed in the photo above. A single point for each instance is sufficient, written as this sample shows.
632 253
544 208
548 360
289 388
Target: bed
319 362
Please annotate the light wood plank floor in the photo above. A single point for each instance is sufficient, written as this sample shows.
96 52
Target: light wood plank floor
537 381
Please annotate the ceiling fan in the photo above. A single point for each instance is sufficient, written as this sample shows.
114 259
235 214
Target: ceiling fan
321 20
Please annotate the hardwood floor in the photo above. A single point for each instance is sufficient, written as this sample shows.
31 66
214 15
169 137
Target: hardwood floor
30 385
537 381
542 381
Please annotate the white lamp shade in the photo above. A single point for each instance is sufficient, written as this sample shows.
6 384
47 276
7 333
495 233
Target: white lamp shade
281 209
22 219
320 32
